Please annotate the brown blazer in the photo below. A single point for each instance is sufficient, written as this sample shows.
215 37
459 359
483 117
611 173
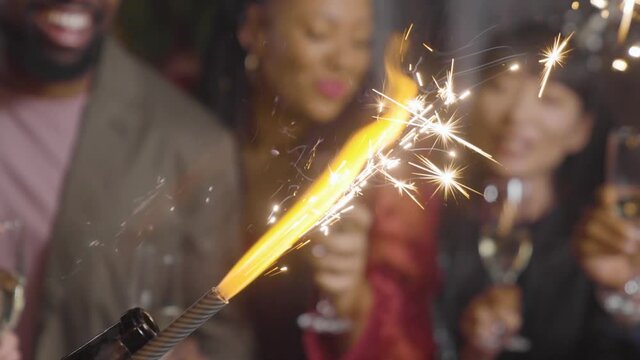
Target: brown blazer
149 165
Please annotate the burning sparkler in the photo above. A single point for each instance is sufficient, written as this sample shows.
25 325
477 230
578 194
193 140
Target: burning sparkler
329 188
553 57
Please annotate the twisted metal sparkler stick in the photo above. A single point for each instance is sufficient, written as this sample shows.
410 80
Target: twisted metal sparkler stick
194 317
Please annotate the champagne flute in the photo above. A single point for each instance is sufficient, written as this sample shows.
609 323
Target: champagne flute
12 274
623 173
325 318
505 244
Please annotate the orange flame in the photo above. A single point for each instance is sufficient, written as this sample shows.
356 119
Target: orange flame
332 184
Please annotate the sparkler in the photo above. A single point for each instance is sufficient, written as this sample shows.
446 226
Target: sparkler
329 188
553 57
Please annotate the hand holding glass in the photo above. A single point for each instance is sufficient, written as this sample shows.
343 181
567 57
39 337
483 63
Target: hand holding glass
623 174
505 244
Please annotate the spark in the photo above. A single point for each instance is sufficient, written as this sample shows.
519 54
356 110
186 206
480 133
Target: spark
406 35
415 105
446 92
575 5
444 130
465 95
627 16
404 39
404 187
381 106
552 57
389 163
634 51
446 179
419 78
276 271
427 47
514 67
302 244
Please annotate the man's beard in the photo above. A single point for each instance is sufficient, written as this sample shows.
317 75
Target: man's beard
26 49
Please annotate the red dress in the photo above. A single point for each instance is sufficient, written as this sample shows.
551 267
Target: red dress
402 273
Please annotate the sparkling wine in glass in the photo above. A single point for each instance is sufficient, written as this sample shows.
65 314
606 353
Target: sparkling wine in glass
12 274
505 256
505 244
623 173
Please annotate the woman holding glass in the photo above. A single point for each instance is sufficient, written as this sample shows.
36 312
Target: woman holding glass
512 285
285 72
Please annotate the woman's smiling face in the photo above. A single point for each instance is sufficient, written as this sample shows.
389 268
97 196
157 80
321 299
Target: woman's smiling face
527 135
312 54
